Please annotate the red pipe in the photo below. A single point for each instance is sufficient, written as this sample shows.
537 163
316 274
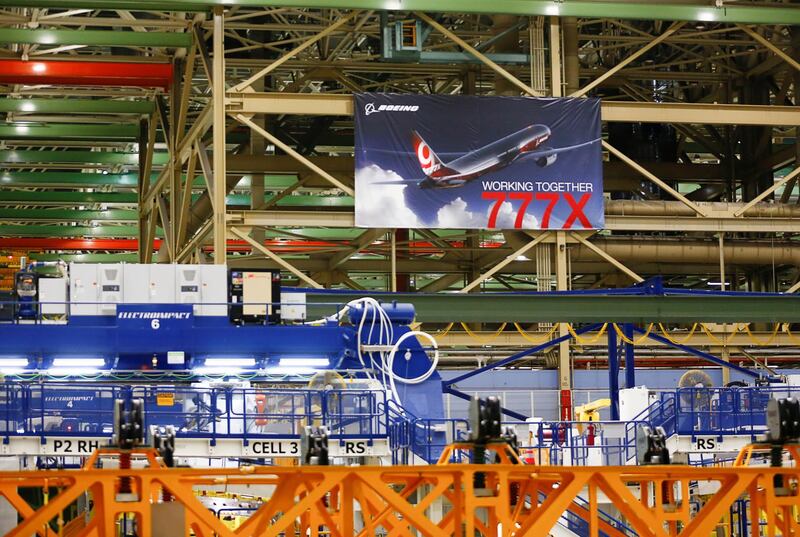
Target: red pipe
73 73
295 246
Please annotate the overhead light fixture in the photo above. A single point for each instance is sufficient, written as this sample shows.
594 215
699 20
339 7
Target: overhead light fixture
291 370
218 370
13 366
75 366
28 106
13 362
79 362
707 16
304 362
39 68
552 10
230 362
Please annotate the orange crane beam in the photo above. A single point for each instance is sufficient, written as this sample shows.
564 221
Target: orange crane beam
515 499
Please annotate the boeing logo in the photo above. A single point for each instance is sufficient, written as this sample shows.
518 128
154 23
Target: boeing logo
154 315
370 108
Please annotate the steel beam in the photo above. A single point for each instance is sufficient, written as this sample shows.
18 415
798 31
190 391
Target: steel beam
87 244
68 179
76 106
676 113
85 73
697 11
539 308
72 215
98 38
512 338
68 131
218 133
15 156
25 197
711 224
68 231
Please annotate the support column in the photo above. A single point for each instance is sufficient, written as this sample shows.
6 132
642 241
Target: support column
218 92
613 373
569 26
175 165
726 373
257 147
403 279
562 284
393 272
555 57
630 364
564 365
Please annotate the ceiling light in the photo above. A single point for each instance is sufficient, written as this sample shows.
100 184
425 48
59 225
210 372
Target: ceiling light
229 362
13 362
304 362
291 370
219 370
39 68
79 362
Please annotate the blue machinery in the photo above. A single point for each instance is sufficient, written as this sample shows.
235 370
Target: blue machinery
388 398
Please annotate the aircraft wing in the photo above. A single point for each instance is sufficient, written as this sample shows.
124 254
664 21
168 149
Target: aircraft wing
409 182
547 151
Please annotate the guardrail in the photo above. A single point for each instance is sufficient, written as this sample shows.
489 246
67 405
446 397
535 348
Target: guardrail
61 409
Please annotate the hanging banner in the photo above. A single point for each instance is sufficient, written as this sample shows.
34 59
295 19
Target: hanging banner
445 161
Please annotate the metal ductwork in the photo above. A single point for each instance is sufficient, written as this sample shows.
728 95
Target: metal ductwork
674 251
676 208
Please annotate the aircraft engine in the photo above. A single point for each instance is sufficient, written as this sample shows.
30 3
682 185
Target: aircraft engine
546 161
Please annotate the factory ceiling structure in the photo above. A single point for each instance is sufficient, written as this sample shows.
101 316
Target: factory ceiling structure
192 132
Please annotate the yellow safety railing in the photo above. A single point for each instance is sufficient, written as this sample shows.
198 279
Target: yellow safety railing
733 332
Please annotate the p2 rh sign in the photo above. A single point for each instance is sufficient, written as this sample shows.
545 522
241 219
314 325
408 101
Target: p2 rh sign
443 161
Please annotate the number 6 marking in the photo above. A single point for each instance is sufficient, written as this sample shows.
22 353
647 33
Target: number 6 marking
155 324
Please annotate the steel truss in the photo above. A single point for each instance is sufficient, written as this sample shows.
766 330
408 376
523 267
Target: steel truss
440 500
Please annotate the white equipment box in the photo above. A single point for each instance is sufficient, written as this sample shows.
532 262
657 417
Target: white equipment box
53 296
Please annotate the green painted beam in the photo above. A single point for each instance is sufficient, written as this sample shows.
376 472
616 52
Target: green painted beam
72 231
21 197
67 231
69 179
14 156
85 198
532 308
68 131
296 201
76 106
697 11
95 38
72 215
86 258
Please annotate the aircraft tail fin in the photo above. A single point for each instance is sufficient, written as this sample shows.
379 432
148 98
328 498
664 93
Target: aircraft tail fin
428 160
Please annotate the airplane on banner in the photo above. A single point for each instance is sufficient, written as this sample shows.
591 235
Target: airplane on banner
526 143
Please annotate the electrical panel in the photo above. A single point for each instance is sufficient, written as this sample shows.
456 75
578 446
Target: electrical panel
254 295
161 284
136 283
293 307
96 289
110 288
204 286
53 296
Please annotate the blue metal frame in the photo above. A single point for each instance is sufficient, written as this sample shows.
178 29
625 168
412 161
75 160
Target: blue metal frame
630 365
613 373
86 411
704 355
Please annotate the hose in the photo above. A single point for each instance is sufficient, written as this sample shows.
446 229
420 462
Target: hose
380 321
